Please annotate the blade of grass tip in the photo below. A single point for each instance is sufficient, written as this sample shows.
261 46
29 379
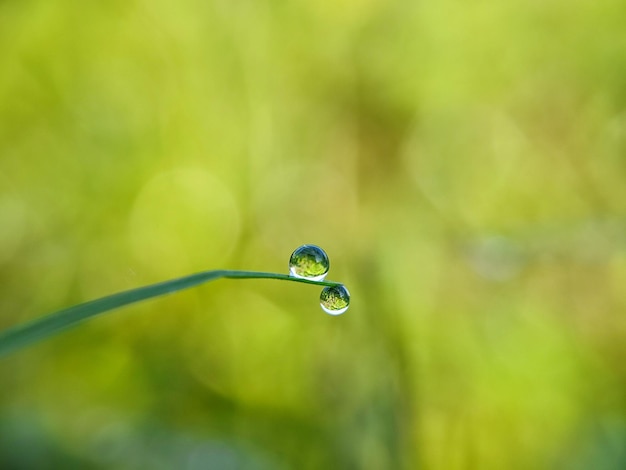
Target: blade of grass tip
41 328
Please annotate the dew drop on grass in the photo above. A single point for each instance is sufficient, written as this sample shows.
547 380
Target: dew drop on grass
309 262
335 300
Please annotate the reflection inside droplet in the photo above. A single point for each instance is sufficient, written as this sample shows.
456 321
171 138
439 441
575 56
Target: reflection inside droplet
309 262
335 300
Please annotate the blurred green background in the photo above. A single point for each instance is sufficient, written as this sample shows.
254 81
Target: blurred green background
463 164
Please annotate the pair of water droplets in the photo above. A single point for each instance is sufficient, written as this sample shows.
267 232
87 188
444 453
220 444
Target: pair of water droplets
311 262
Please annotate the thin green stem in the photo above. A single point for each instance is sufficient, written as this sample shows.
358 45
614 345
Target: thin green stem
41 328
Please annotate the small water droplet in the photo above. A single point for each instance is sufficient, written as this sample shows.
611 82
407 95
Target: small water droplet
335 300
309 262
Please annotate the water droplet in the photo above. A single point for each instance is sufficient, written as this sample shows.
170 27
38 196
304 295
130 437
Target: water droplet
309 262
335 300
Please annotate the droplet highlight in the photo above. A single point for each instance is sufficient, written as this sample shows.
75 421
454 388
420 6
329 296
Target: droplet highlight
335 300
309 262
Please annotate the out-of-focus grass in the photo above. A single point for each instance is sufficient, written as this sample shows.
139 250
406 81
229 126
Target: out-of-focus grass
462 164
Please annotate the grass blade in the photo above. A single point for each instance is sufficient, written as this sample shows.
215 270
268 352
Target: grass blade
41 328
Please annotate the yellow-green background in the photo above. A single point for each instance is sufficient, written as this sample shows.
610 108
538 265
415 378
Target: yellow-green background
463 164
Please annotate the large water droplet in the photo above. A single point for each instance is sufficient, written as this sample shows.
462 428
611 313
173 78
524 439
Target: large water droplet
309 262
335 300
